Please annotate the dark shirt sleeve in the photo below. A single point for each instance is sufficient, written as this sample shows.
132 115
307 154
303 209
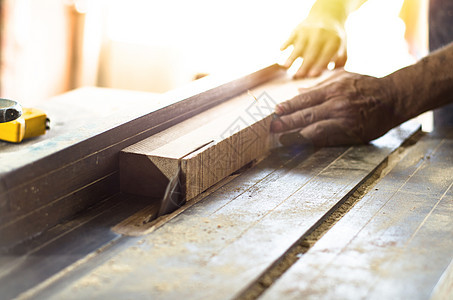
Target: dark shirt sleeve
441 34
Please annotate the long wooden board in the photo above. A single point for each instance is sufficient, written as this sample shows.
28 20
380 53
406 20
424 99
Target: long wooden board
209 146
222 244
394 244
75 165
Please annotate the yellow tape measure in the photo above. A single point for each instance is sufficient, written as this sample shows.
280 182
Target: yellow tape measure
32 123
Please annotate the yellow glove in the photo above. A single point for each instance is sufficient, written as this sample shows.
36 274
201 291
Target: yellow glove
321 38
318 42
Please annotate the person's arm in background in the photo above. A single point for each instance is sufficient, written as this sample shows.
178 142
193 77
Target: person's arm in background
352 108
320 38
414 14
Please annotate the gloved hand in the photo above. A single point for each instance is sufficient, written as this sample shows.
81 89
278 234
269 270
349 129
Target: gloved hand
345 109
318 40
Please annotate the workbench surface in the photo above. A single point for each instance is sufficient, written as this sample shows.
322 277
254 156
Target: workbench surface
372 221
369 221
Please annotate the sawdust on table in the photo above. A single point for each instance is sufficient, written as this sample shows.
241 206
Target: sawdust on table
178 241
297 251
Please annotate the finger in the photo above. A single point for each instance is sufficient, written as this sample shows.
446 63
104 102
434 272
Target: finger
288 42
297 52
310 57
310 98
340 59
301 118
324 58
330 133
294 138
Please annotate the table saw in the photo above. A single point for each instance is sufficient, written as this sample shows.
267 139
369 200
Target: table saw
367 221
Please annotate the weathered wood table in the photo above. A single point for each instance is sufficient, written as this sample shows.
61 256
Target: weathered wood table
371 221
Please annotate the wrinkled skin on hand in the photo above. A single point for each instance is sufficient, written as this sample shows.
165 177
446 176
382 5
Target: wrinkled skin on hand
345 109
318 42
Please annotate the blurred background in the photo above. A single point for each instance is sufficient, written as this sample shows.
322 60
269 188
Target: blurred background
51 46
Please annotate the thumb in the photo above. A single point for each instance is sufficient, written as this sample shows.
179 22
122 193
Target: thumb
340 59
294 138
328 133
288 42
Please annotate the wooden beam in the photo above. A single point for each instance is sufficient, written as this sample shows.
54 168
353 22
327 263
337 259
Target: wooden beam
206 153
75 165
208 147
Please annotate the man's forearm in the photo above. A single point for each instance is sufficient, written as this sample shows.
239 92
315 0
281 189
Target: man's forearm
426 85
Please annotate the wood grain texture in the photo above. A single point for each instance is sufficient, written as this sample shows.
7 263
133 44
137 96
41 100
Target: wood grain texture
36 260
209 146
51 178
394 244
219 246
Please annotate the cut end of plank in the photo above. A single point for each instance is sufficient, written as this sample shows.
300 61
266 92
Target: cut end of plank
139 175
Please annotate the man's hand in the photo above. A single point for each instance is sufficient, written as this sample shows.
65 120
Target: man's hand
318 42
346 109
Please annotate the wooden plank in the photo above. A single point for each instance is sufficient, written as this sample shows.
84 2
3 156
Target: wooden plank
80 153
31 263
393 244
222 244
209 146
